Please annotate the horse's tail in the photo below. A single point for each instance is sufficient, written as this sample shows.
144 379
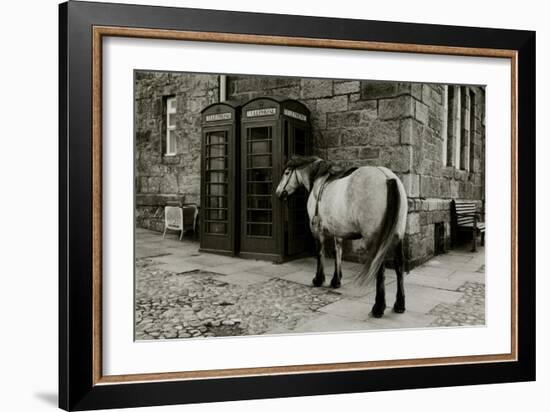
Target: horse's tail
375 257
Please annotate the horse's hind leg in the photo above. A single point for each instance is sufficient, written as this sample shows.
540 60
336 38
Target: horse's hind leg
336 279
319 278
399 306
380 300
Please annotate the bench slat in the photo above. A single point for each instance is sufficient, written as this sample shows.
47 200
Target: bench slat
480 227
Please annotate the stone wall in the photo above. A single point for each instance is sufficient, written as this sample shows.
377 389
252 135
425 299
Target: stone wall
162 179
397 125
402 126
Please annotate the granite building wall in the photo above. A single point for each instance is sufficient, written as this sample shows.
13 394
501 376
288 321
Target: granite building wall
162 179
420 131
398 125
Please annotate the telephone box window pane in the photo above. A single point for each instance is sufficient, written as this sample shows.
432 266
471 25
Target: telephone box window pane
219 137
216 189
216 202
259 202
259 133
216 215
259 188
259 175
260 161
216 228
216 150
216 164
258 230
260 216
216 177
259 146
299 141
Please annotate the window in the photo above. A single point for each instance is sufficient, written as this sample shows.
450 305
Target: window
456 135
472 129
259 184
216 183
464 150
449 126
170 146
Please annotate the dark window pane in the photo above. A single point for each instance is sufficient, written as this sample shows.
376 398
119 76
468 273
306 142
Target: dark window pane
299 142
259 202
263 216
259 147
216 228
259 188
258 230
216 214
259 175
259 161
259 133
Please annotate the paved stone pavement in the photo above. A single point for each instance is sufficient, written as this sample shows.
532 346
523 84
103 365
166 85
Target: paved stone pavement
181 293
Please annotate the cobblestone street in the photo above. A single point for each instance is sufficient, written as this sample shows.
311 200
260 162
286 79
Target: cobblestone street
181 293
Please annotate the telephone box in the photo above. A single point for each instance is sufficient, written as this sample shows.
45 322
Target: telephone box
272 130
220 178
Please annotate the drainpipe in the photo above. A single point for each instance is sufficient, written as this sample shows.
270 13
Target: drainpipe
223 87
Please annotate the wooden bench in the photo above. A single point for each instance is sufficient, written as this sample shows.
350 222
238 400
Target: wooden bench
466 218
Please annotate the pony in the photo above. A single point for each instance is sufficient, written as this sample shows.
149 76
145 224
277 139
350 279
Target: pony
368 203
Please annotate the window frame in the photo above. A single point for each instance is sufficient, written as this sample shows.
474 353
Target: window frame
170 128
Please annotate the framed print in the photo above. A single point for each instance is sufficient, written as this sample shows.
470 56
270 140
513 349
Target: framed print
256 206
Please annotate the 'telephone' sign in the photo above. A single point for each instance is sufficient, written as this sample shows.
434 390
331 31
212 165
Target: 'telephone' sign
269 111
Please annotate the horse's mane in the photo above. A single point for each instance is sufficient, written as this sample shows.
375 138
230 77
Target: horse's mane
322 167
298 161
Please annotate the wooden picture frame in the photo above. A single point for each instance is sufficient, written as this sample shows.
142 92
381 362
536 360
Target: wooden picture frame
82 385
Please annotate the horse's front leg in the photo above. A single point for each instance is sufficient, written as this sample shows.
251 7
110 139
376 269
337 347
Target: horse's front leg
319 278
337 277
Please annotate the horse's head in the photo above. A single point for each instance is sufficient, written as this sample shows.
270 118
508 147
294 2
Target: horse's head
289 183
299 171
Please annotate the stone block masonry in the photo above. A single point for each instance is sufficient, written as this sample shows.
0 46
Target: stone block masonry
402 126
162 179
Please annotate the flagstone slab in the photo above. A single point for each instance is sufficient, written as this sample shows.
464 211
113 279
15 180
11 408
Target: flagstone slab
331 323
349 308
407 320
303 277
272 269
244 279
235 266
433 281
467 276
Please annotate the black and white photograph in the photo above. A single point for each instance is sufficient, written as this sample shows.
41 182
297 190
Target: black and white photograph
250 206
285 205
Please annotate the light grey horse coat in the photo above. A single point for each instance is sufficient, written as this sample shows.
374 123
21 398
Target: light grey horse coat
369 203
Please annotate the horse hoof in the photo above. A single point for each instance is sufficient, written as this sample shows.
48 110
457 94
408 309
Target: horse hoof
378 311
335 284
399 309
318 281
